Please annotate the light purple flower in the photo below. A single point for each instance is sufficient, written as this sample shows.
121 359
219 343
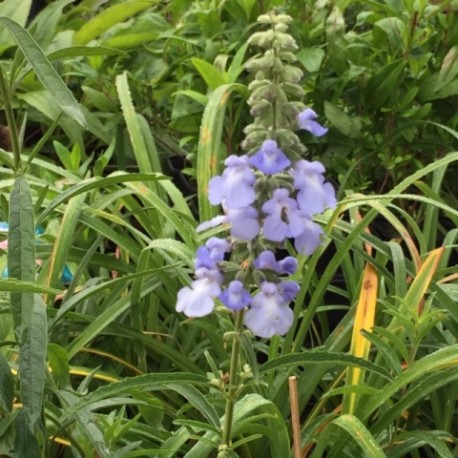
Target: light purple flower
235 186
280 209
270 159
310 239
314 194
235 297
287 265
269 315
244 223
288 289
305 121
213 252
199 299
266 260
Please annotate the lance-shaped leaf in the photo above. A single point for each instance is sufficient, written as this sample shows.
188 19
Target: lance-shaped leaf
44 70
28 310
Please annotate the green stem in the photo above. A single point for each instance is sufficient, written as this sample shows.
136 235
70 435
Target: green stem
11 121
233 379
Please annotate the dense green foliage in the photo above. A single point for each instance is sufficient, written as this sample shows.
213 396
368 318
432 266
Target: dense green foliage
114 117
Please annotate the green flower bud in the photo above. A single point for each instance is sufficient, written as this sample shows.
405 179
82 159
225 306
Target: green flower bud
266 92
285 41
262 39
281 27
260 107
292 74
254 139
287 138
292 89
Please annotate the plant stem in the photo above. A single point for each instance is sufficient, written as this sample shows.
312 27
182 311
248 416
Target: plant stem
11 121
233 376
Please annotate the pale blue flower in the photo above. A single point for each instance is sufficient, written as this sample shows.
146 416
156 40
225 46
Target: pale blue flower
199 299
305 121
269 313
235 186
277 225
288 289
266 260
235 297
270 159
314 194
213 252
310 238
244 223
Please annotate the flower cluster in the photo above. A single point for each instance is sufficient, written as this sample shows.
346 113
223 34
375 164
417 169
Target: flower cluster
268 195
263 213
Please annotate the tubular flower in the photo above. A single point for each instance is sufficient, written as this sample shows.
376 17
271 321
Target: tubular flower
266 260
199 299
235 297
213 252
270 159
269 313
235 186
305 121
280 208
314 194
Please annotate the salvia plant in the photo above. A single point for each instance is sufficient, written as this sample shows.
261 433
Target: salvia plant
269 197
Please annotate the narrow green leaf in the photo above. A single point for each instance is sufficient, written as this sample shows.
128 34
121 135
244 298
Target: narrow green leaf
21 252
25 444
94 183
106 317
64 240
433 363
148 382
79 51
45 71
322 358
139 133
198 400
449 69
45 23
6 386
108 18
17 12
210 152
11 284
32 363
58 362
358 431
407 442
211 75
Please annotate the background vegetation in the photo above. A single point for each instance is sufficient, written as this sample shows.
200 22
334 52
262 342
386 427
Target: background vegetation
103 177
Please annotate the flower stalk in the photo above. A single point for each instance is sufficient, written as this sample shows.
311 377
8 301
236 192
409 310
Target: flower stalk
233 388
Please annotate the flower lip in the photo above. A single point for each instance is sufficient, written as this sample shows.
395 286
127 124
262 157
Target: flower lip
270 159
268 314
235 297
